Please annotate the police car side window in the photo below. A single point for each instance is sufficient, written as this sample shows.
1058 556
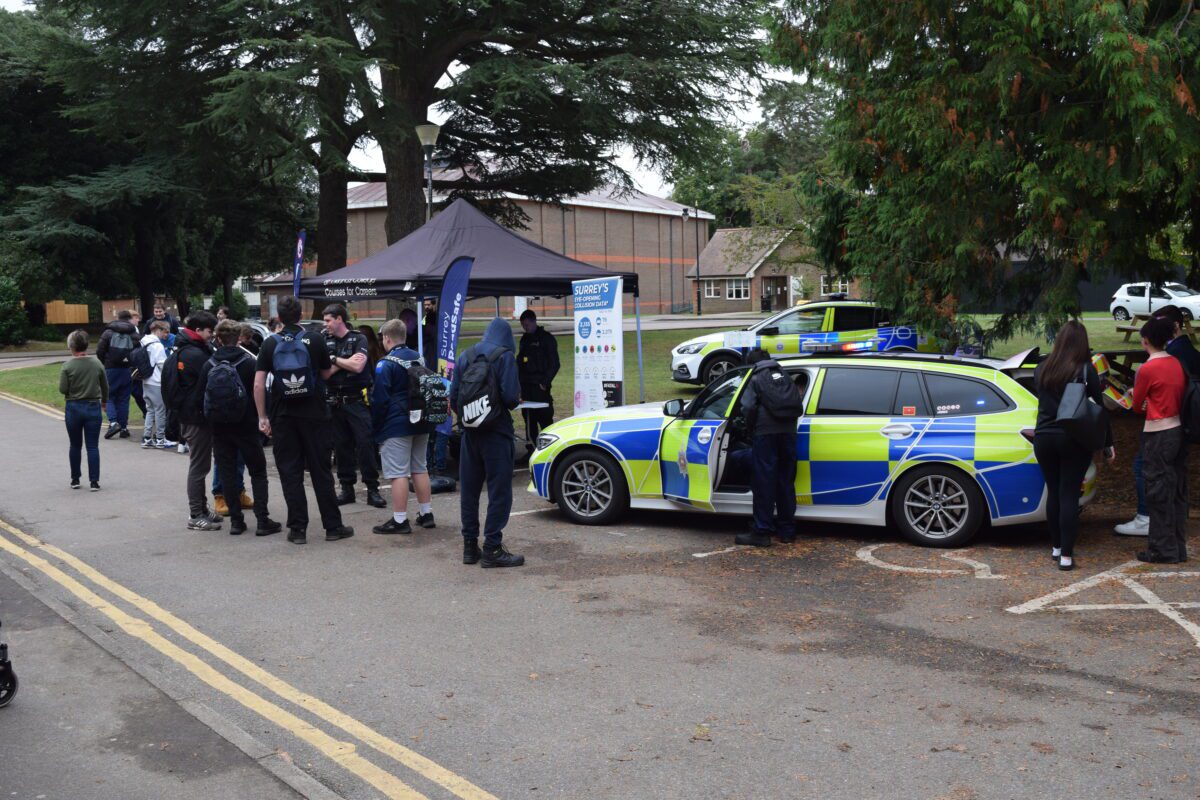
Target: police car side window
713 402
853 318
952 396
801 322
849 391
910 400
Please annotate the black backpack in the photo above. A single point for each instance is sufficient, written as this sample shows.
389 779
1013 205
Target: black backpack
778 394
120 345
139 359
225 395
1189 405
174 386
479 404
426 392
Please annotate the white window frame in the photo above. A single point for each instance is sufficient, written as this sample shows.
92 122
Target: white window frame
712 289
737 289
842 284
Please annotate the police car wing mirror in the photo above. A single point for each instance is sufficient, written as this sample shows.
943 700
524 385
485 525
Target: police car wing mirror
772 330
673 408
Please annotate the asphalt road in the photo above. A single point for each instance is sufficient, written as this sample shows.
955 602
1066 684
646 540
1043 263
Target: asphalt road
617 663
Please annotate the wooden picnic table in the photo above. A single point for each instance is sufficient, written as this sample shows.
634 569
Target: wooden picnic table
1135 323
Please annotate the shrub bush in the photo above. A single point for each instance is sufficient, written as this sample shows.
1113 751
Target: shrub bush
12 314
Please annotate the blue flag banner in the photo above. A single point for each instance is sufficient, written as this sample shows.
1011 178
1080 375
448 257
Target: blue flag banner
297 266
451 306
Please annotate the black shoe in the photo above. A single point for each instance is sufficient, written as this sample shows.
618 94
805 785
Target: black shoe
345 496
786 539
237 527
426 520
1153 558
336 534
267 526
74 483
500 557
124 433
753 539
296 537
113 430
391 526
374 498
471 552
94 486
1068 567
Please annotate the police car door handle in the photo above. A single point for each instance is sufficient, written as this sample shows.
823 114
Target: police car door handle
897 430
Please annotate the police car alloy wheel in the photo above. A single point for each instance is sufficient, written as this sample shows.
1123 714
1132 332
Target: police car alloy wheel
937 506
590 488
718 365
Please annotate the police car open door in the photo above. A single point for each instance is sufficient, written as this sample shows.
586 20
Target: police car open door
690 450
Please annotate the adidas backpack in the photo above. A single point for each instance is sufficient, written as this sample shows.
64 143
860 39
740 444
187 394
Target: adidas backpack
292 369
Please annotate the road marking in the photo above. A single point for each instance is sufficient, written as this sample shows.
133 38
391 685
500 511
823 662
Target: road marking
529 511
720 552
1130 580
982 571
420 764
342 753
44 410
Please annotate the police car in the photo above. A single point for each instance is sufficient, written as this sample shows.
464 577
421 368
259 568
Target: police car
933 445
848 324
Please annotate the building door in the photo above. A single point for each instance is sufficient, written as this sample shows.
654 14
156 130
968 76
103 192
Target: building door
774 292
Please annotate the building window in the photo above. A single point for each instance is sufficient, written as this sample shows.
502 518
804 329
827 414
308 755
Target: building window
712 290
830 284
737 289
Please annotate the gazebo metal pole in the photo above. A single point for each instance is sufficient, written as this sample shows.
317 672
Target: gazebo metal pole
421 331
637 313
497 305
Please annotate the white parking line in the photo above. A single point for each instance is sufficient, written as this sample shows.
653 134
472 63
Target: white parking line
982 571
1039 603
529 511
867 554
719 552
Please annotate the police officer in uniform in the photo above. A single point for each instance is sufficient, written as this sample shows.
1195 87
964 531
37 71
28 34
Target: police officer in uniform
537 365
348 388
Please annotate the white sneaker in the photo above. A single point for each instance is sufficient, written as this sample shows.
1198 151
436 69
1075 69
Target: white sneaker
147 444
183 448
1138 526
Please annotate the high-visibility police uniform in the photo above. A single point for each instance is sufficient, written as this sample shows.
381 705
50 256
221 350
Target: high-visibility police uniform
349 395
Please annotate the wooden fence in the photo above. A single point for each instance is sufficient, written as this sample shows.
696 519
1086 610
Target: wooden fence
60 313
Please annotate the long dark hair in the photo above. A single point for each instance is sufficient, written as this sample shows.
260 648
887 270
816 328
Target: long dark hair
374 349
1070 353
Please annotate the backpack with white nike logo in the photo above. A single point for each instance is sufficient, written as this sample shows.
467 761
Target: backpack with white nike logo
479 403
292 369
225 395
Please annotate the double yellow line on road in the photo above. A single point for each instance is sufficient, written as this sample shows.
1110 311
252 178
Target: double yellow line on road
37 408
341 752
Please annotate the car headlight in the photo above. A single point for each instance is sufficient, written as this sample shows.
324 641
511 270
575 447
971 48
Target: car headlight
689 349
545 440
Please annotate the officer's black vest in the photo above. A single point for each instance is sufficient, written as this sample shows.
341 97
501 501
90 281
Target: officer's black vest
344 381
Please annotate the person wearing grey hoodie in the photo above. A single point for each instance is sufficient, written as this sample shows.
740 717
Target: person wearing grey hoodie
487 452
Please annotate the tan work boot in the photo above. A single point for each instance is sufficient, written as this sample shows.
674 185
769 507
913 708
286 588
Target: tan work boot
220 506
247 500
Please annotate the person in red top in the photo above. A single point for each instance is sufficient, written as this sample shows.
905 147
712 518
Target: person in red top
1158 393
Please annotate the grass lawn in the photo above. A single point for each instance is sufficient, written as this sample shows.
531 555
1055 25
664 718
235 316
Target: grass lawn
41 383
36 347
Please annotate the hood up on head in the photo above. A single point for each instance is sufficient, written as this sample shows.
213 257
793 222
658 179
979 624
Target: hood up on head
499 334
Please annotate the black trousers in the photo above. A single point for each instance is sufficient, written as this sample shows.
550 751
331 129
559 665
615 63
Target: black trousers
300 445
773 484
227 445
486 457
1164 466
354 446
536 418
1063 463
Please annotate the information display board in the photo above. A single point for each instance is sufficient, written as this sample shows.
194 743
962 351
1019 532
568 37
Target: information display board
599 360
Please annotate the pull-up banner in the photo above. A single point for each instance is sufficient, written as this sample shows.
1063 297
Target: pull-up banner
451 306
599 362
298 262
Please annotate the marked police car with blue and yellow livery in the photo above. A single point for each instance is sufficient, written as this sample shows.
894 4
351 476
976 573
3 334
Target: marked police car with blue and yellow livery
933 445
851 324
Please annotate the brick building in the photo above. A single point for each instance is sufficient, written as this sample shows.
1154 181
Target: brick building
627 233
760 269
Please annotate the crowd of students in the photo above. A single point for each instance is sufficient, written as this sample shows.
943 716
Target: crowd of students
209 393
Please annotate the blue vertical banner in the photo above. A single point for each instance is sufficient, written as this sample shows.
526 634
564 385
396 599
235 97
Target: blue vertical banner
298 264
451 306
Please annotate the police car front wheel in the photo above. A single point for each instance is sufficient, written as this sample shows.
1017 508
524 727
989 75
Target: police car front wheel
937 507
590 488
717 365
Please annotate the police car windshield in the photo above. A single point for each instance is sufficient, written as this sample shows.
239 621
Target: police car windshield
713 402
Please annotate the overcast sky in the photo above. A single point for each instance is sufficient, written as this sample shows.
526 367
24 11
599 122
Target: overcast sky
368 158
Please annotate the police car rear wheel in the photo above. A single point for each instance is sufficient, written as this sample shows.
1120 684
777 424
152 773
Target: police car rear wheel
590 488
937 506
718 365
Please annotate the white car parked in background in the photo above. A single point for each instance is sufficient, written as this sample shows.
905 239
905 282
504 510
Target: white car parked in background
1145 298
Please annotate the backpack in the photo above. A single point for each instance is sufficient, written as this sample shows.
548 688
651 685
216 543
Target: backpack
426 392
1189 406
778 395
480 406
139 359
122 344
173 385
292 368
225 395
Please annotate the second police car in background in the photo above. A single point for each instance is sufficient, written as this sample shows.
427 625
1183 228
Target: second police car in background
851 324
933 445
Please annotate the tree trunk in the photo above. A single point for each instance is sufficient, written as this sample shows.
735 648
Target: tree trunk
35 314
143 268
335 143
227 286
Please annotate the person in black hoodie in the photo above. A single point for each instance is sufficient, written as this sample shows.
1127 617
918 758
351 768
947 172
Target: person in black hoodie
186 400
116 343
235 432
537 365
160 314
772 404
487 451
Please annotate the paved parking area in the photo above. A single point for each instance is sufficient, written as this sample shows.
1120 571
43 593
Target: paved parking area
649 659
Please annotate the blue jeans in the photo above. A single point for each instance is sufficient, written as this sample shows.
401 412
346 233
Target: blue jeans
83 426
217 489
485 456
120 386
773 484
1139 483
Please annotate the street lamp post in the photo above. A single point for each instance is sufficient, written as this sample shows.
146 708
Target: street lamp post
427 134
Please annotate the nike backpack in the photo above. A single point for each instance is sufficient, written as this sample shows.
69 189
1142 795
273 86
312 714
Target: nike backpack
292 369
225 395
479 403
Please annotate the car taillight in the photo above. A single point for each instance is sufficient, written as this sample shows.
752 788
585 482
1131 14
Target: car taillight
1027 433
